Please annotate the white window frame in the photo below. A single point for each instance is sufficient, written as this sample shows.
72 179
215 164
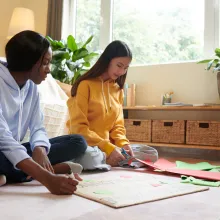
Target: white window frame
211 29
211 23
106 23
69 18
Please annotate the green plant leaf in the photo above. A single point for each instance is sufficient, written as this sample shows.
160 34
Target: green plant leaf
60 55
90 57
82 71
86 64
71 65
54 70
216 69
49 38
55 62
52 42
211 63
205 61
76 76
217 52
69 62
58 73
62 49
60 45
61 74
71 43
57 45
88 41
79 54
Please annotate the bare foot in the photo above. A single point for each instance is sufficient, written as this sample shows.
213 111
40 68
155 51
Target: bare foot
61 168
2 180
67 168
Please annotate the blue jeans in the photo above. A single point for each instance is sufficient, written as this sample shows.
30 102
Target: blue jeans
63 148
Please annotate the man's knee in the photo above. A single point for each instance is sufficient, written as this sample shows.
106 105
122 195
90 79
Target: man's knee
7 169
79 142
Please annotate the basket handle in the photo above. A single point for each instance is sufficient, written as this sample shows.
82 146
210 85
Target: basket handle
137 123
168 124
204 125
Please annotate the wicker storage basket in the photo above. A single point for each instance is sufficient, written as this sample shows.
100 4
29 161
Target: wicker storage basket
172 131
138 130
203 133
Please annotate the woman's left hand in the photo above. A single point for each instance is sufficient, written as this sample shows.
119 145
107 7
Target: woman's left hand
128 149
40 156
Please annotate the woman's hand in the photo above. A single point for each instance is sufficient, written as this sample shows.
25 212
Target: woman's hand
129 150
115 157
40 156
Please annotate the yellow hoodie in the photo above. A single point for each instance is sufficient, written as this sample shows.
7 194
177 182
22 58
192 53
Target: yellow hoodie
96 113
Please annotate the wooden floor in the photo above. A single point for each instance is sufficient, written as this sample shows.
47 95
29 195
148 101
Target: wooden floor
190 154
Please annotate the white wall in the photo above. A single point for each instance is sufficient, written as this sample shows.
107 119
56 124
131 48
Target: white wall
6 8
39 7
189 81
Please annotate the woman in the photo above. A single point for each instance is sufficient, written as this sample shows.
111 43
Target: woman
95 107
28 57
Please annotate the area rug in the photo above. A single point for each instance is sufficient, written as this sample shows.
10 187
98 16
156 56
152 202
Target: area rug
123 189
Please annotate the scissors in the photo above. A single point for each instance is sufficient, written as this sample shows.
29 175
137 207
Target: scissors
125 154
128 158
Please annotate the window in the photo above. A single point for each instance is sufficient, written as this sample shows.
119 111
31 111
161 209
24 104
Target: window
156 31
160 31
88 22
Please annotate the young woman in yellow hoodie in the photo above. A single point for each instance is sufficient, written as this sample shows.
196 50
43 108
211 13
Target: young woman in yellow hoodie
95 107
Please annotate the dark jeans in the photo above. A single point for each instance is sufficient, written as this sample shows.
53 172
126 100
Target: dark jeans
63 148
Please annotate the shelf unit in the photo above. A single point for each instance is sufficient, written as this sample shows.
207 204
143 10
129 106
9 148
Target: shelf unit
174 108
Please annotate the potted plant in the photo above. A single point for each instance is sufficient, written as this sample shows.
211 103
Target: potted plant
70 60
214 64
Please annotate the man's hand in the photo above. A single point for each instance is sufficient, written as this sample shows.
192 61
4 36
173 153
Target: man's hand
61 184
56 184
128 149
115 157
40 156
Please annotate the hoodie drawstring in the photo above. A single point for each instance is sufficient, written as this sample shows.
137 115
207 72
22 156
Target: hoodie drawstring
110 104
103 95
20 116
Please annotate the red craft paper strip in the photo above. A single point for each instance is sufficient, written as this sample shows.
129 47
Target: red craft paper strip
167 166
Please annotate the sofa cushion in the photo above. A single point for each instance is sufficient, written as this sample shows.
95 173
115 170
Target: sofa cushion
53 105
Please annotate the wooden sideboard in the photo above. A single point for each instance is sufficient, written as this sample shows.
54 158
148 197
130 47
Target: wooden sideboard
199 113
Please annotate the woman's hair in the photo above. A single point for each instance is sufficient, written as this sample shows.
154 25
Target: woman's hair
24 50
113 50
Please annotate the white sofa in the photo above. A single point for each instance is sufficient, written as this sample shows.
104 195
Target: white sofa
53 105
3 59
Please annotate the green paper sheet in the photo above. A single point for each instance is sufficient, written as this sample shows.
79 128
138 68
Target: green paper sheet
192 180
197 166
104 192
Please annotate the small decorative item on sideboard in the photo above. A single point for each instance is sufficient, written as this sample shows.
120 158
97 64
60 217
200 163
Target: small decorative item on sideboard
129 95
167 98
